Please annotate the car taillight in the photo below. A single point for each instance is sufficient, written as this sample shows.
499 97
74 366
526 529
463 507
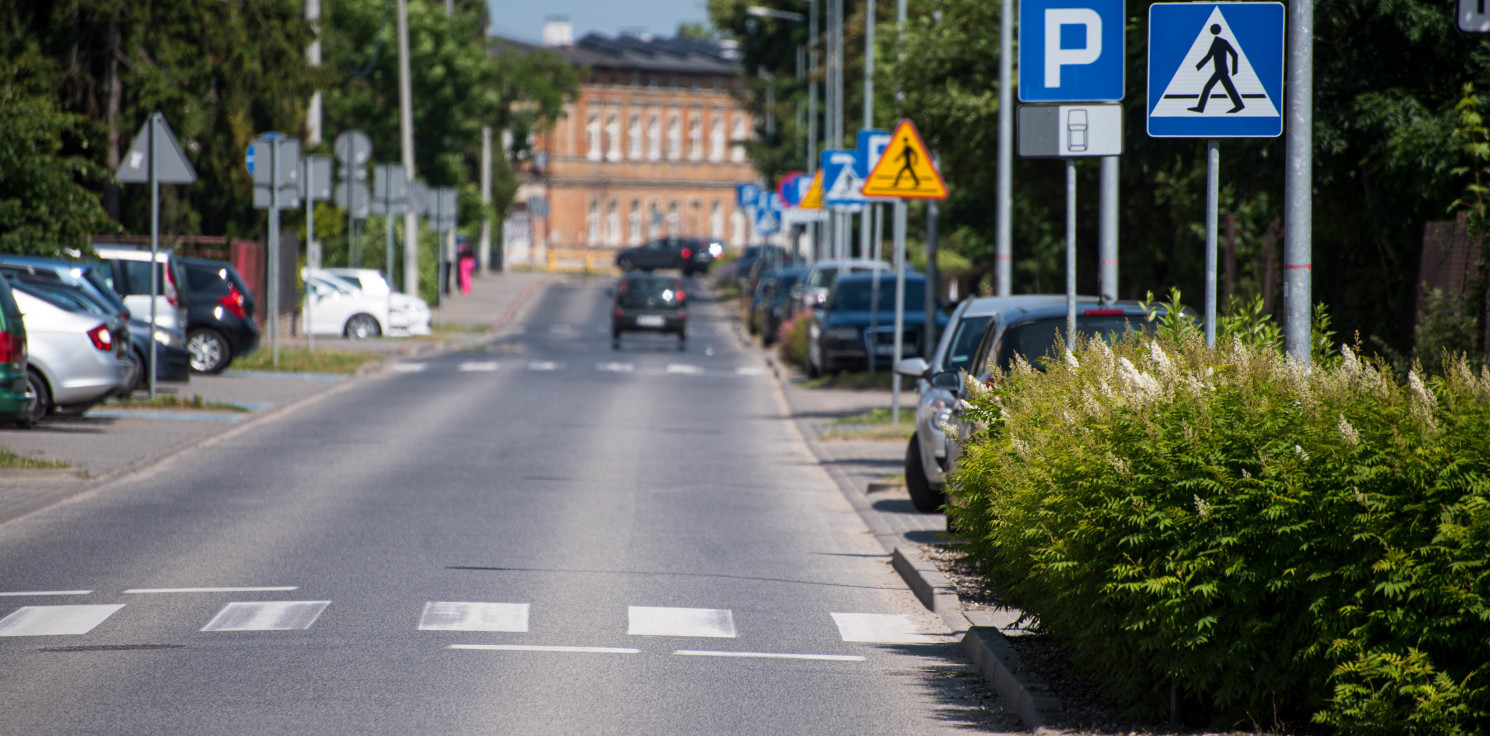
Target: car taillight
172 295
681 295
687 252
233 302
12 347
620 313
1101 312
102 338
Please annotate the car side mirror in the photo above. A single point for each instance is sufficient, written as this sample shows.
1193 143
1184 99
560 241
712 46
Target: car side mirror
912 367
946 380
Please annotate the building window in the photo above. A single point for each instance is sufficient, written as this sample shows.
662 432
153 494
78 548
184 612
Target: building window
672 219
592 222
737 228
654 221
634 221
612 224
635 131
592 139
716 220
740 136
654 136
613 137
716 136
696 135
674 136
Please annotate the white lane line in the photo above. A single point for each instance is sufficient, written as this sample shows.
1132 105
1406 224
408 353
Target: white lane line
651 621
26 593
691 370
770 655
880 628
562 329
542 365
451 616
615 367
478 366
749 371
540 648
408 367
56 620
267 616
247 589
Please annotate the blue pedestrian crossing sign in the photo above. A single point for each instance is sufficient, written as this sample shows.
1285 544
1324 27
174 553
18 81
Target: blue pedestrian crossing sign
1215 70
1071 50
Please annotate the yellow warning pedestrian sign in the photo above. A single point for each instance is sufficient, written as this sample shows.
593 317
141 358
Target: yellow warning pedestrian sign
905 169
814 198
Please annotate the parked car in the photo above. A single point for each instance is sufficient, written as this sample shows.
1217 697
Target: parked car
772 256
74 358
172 356
16 398
820 278
339 308
1030 326
647 302
408 315
689 255
219 314
128 274
765 288
844 332
785 297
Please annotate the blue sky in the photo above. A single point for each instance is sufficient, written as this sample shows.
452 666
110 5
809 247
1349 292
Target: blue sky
524 20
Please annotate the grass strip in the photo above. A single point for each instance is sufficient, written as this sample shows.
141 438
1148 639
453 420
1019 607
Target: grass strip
859 380
174 401
301 360
879 416
886 433
8 459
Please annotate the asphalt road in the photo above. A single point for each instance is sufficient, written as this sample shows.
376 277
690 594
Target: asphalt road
546 536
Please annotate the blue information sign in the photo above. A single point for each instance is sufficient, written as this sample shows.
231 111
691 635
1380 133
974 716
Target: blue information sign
1070 50
1215 70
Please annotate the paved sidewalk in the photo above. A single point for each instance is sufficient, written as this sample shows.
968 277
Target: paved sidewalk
110 441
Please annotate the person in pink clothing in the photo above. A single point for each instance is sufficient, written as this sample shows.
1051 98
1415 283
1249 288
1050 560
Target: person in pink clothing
466 262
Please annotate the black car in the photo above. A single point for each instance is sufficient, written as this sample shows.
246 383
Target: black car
646 302
756 259
782 303
689 255
219 315
847 332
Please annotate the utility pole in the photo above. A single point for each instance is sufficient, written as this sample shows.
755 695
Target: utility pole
313 55
1298 182
1004 193
865 226
485 244
406 137
813 230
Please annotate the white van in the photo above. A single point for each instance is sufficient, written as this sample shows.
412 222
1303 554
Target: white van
128 273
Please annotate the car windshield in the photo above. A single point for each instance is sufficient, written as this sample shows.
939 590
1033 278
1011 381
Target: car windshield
965 337
1038 339
855 296
650 291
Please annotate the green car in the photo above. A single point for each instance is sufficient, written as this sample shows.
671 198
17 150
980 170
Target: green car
15 400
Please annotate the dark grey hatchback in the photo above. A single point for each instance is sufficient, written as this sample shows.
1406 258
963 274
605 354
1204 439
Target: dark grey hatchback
647 302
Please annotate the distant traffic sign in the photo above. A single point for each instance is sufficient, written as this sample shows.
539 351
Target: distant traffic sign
767 214
1473 16
841 185
792 187
1215 70
813 199
1071 54
870 146
171 166
905 169
747 194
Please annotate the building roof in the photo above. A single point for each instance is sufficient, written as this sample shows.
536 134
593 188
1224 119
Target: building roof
677 55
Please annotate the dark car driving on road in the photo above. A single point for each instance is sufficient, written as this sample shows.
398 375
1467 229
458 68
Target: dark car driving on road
689 255
647 302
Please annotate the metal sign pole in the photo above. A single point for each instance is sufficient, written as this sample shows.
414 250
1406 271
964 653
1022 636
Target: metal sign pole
1107 245
1004 197
274 250
154 247
1070 254
310 245
900 208
874 285
388 222
1212 195
1298 259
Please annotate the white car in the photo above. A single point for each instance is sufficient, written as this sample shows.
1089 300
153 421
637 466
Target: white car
335 307
814 287
415 311
75 358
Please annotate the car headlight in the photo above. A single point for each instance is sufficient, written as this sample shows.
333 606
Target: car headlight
842 334
942 416
167 339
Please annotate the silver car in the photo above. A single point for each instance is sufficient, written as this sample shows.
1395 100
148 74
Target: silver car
820 278
76 357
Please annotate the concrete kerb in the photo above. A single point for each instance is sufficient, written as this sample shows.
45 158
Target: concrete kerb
986 646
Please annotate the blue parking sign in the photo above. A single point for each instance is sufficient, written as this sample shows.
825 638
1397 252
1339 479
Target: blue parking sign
1071 50
1215 70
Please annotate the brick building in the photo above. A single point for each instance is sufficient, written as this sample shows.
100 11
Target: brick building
650 147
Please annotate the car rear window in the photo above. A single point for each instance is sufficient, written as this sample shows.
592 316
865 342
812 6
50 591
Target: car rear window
1039 338
650 291
856 296
137 278
203 277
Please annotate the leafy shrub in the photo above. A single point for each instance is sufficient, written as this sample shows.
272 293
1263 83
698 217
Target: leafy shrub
1279 543
793 343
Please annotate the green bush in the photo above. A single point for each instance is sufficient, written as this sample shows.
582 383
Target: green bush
793 343
1281 544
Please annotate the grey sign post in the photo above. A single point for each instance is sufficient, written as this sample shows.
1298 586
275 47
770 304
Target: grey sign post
316 188
155 158
275 188
390 197
353 149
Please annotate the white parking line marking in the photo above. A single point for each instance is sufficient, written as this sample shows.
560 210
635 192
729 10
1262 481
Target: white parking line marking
749 371
478 366
540 648
408 367
615 367
650 621
880 628
251 589
691 370
25 593
543 365
56 620
450 616
770 655
267 616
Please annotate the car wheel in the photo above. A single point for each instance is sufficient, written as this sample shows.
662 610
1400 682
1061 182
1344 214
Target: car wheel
363 327
43 406
210 353
923 496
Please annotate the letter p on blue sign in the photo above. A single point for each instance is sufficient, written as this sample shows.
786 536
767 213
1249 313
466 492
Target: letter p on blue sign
1071 50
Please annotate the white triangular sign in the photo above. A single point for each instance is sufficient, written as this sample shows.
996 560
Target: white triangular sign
846 186
171 166
1207 68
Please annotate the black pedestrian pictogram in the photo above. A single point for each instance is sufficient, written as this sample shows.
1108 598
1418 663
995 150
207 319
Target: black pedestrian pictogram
1220 50
909 167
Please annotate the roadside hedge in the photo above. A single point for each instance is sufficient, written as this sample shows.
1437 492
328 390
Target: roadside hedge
1281 545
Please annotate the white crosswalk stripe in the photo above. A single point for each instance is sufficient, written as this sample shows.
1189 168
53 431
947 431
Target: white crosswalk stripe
749 371
451 616
56 620
409 367
615 367
543 365
267 616
880 628
656 621
475 366
690 370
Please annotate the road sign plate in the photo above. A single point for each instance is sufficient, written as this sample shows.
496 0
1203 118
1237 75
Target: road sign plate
318 169
353 147
171 166
841 185
1070 131
363 198
791 188
905 170
1215 70
1071 54
1473 16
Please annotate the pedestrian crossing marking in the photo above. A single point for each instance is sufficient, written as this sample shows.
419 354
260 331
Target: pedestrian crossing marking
543 365
409 367
880 628
472 366
690 370
749 371
615 367
267 616
656 621
452 616
39 593
770 655
249 589
56 620
1241 92
550 648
